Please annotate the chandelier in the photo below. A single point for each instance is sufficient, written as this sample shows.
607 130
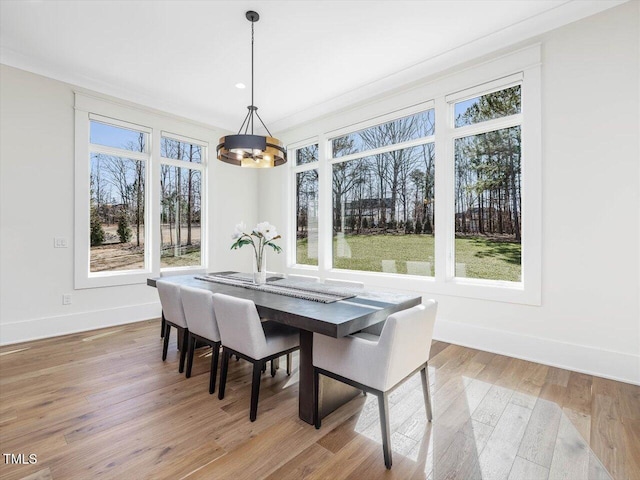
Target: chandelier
245 149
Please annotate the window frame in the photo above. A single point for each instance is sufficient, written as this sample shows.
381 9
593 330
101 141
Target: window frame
292 225
520 67
453 133
201 167
88 108
331 161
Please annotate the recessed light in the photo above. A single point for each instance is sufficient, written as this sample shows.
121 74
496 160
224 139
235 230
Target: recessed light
240 85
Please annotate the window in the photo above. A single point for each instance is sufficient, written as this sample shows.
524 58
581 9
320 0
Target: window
306 193
488 195
139 203
383 197
180 202
118 159
374 187
488 107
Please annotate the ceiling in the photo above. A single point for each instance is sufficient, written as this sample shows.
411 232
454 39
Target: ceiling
312 57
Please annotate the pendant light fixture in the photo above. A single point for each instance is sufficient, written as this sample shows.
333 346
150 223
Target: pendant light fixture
246 149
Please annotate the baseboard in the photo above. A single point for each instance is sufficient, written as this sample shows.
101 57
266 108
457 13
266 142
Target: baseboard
48 327
619 366
623 367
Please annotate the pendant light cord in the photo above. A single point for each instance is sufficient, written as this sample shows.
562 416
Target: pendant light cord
248 120
252 77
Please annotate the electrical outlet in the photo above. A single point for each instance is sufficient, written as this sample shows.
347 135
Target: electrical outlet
66 299
60 242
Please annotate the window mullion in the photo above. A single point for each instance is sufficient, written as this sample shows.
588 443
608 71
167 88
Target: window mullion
172 162
118 152
384 149
305 167
444 234
325 210
488 126
152 210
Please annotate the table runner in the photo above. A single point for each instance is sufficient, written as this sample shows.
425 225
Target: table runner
314 293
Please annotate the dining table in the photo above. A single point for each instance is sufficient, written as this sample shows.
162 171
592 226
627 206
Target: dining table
314 309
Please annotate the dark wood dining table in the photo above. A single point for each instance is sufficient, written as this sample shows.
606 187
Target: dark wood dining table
336 319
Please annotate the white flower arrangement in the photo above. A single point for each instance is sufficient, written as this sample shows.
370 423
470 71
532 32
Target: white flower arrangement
263 235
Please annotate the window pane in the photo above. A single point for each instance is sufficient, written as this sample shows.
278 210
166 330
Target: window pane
181 194
488 205
383 212
402 130
170 148
112 136
307 154
307 217
487 107
117 213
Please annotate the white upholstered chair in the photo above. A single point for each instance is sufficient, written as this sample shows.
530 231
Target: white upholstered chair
343 283
389 266
378 364
303 278
203 327
373 329
461 270
173 316
419 268
243 334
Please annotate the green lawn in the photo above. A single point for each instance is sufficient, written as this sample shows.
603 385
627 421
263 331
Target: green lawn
481 257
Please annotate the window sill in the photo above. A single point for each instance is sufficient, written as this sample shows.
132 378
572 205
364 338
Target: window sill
496 291
112 279
170 271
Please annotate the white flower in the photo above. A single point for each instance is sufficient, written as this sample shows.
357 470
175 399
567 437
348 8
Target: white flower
271 234
267 230
261 227
239 230
264 234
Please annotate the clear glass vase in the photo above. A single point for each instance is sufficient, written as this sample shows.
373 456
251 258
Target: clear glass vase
260 270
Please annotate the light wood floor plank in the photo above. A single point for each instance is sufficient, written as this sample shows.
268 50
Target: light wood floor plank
539 438
500 452
303 465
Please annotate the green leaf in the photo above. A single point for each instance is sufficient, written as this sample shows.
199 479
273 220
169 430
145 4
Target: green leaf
240 243
275 247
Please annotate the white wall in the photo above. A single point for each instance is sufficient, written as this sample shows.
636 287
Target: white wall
589 319
37 204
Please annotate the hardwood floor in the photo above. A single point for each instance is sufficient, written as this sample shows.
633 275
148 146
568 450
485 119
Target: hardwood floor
102 404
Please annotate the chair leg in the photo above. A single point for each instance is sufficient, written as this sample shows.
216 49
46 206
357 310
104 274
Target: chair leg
223 372
255 389
288 364
183 349
215 353
190 351
162 324
383 405
424 374
165 346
